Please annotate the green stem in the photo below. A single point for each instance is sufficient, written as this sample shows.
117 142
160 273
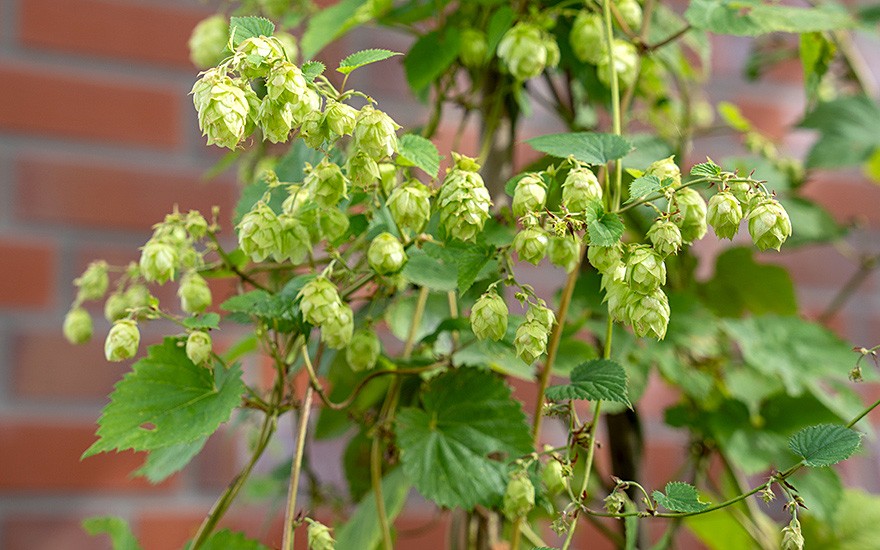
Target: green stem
517 534
287 539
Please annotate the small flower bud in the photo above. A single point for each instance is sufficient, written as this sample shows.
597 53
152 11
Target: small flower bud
362 170
319 301
587 37
614 502
645 270
319 536
260 233
337 330
553 476
463 200
386 255
340 118
474 48
531 245
519 497
375 133
158 261
564 252
257 54
208 40
580 188
691 217
523 51
665 169
196 224
93 282
410 206
530 195
769 225
530 341
122 341
194 293
542 315
724 214
604 258
626 60
666 237
363 350
77 326
116 306
792 538
631 12
326 184
648 314
489 317
198 347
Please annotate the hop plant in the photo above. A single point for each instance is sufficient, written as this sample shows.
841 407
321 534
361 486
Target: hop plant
313 131
523 51
463 200
530 195
115 307
648 314
724 214
666 237
631 12
208 40
531 341
319 301
542 315
519 496
332 223
286 85
77 326
554 477
296 242
375 133
260 234
338 329
489 317
792 538
340 118
580 188
362 170
326 184
363 350
565 252
742 190
386 254
296 198
604 258
138 297
587 37
223 109
665 169
691 218
194 294
276 120
645 270
158 261
531 245
769 225
617 294
410 206
319 536
196 224
198 347
288 44
93 283
122 341
626 61
255 56
474 48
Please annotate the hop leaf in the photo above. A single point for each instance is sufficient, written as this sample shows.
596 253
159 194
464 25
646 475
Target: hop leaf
680 497
825 444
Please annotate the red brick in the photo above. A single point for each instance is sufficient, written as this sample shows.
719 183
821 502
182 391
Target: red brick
849 197
89 194
122 30
38 101
27 278
818 266
40 457
26 532
772 118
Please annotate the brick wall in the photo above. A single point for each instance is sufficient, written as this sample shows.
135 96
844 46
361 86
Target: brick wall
98 140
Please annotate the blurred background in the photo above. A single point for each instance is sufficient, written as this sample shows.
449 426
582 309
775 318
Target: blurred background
99 140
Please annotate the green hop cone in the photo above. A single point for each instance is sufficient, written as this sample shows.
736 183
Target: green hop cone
93 283
645 270
332 223
326 184
158 261
617 294
223 108
648 314
122 341
565 252
742 190
362 170
313 130
580 188
296 240
386 254
198 347
474 48
666 237
605 258
208 40
523 51
410 206
375 133
792 538
530 195
691 217
665 169
587 37
77 326
286 85
337 330
631 12
296 198
340 118
260 233
489 317
553 54
554 477
724 214
319 301
530 341
288 44
519 496
626 61
116 306
542 315
531 245
363 350
769 225
319 536
255 56
196 224
387 177
275 119
194 294
138 297
463 200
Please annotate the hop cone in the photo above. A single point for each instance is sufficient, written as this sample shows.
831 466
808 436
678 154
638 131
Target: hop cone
255 56
769 225
648 314
489 317
410 206
553 476
340 118
604 258
631 12
474 48
580 188
319 537
326 184
530 195
665 168
531 245
337 330
587 37
666 237
208 41
363 350
116 306
260 233
319 301
530 341
724 214
386 254
691 219
93 282
198 347
463 201
158 261
223 108
77 326
285 84
362 170
523 51
626 60
194 294
375 133
645 270
122 341
565 252
542 315
519 497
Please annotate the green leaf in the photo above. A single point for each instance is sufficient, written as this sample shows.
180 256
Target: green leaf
431 55
424 270
720 532
647 149
455 449
242 28
871 168
329 24
594 380
706 169
280 310
646 185
817 53
120 533
821 489
500 22
166 400
165 461
847 132
588 147
605 229
754 17
420 152
825 444
362 530
680 497
202 322
740 284
229 540
468 259
362 58
312 69
854 526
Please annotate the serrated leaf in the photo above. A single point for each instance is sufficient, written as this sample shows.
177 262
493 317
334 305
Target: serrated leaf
362 58
598 379
588 147
755 17
280 310
312 69
229 540
740 283
646 185
329 24
706 169
848 132
429 58
816 53
242 28
680 497
605 229
469 260
419 152
202 322
166 400
825 444
362 530
165 461
117 528
424 270
456 448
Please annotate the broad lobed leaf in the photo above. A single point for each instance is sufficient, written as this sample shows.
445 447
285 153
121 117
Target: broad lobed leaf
588 147
680 497
825 444
597 379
